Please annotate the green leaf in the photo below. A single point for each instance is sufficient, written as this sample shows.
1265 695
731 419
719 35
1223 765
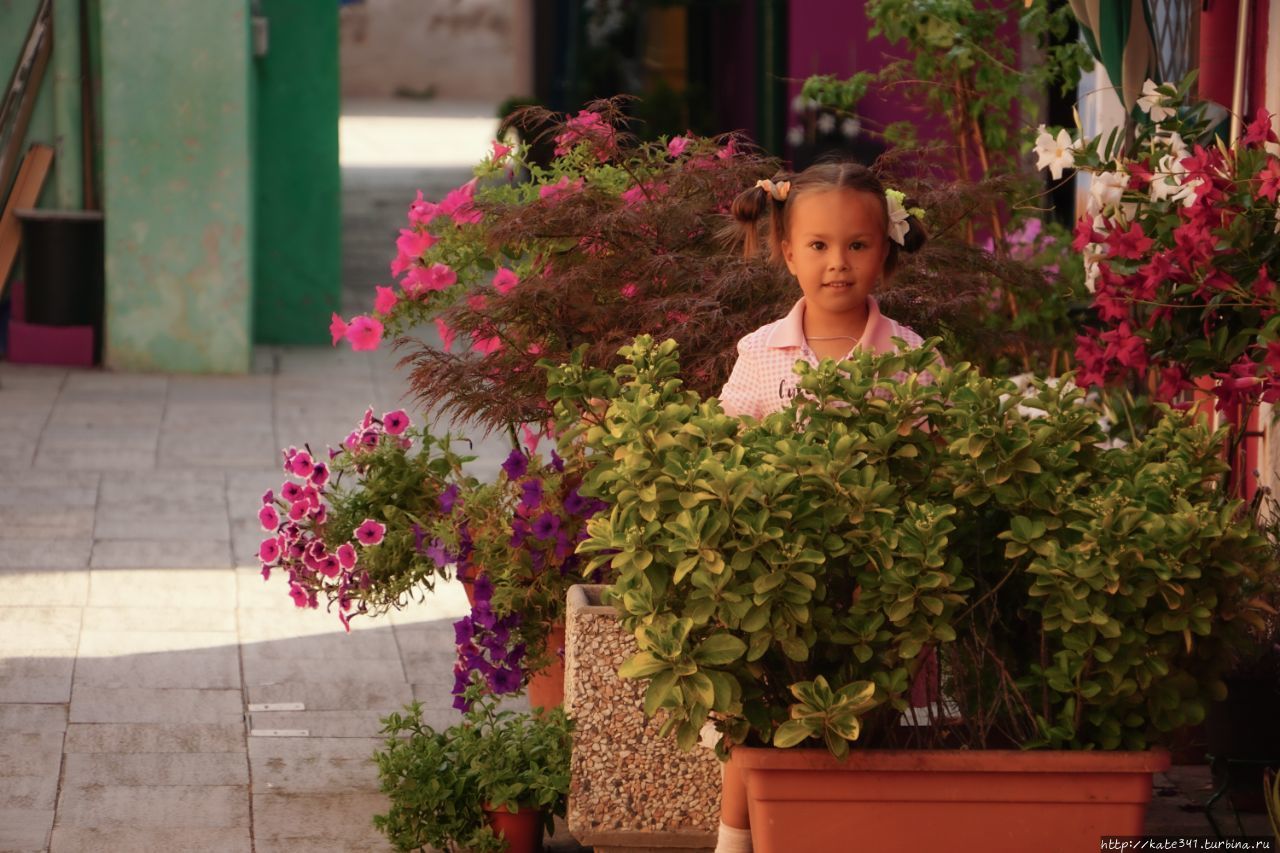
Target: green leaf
792 732
642 665
719 649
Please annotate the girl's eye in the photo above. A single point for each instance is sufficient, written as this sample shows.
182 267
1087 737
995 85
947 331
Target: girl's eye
857 245
818 245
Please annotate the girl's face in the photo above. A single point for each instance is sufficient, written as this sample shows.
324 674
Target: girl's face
836 248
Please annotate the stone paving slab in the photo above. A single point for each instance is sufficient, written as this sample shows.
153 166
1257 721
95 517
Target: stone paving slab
134 587
160 806
210 668
45 586
149 705
24 629
19 718
209 449
107 414
47 554
18 452
87 459
49 523
325 724
151 737
288 765
49 489
68 839
31 788
39 675
336 695
199 769
180 619
294 822
25 830
161 554
304 671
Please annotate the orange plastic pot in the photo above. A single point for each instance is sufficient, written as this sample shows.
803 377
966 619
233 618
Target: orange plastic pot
997 801
522 830
546 686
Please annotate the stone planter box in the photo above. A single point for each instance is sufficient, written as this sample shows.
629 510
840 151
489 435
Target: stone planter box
631 790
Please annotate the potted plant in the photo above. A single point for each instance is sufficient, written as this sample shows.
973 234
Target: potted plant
789 578
494 781
514 542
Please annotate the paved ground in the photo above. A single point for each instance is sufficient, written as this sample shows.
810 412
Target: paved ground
135 629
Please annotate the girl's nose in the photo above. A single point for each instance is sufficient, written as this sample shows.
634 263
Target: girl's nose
839 261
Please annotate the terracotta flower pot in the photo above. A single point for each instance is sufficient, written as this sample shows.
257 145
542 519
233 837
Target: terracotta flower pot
546 686
996 801
522 830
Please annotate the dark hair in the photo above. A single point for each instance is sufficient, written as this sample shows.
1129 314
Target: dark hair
754 203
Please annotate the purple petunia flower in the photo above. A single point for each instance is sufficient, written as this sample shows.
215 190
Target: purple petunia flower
519 530
483 591
504 681
497 640
463 630
516 465
438 554
419 536
447 498
482 616
531 495
539 561
574 503
546 526
370 532
564 547
557 464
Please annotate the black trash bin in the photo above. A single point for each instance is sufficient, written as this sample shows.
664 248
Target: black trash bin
63 268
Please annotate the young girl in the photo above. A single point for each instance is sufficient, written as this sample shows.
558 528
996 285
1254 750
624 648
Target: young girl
839 234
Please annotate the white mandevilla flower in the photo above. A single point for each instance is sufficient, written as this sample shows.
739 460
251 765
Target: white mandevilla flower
795 135
1055 153
898 225
826 123
798 103
1106 190
850 127
1153 102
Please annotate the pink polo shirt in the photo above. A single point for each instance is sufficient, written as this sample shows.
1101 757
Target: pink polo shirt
763 380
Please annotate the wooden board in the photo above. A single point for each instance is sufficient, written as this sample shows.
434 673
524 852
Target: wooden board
26 191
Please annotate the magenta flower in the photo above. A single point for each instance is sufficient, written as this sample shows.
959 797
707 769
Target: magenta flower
410 245
298 594
486 346
421 211
268 496
370 532
269 518
364 333
499 151
346 555
320 475
504 280
677 145
291 492
457 204
561 186
629 290
385 301
302 465
298 510
422 280
395 422
328 566
446 334
337 329
269 550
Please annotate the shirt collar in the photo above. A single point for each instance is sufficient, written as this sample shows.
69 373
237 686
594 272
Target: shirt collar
789 331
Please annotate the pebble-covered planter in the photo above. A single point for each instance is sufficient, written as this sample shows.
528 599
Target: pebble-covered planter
631 789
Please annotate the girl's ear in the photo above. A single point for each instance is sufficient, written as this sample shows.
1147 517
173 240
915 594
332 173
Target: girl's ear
789 256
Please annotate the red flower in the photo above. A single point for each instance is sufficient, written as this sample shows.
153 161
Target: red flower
1259 131
1269 180
1173 381
1133 243
1085 234
1125 348
1092 361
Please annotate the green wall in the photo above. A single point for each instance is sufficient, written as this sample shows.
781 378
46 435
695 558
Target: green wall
297 247
177 183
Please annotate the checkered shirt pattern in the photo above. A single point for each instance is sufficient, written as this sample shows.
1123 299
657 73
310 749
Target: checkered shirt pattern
763 381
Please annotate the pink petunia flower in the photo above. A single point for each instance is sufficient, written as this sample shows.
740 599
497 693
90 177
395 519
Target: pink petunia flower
320 475
421 211
298 594
395 422
290 492
422 280
268 496
629 290
269 550
385 301
677 145
328 566
485 346
370 532
269 518
337 329
504 281
457 204
446 334
302 465
410 246
364 333
298 510
559 187
499 151
531 439
347 555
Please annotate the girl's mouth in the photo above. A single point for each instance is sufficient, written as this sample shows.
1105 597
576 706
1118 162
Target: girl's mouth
839 285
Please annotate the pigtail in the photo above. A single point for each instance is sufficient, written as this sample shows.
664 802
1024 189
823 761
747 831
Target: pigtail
917 235
747 209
